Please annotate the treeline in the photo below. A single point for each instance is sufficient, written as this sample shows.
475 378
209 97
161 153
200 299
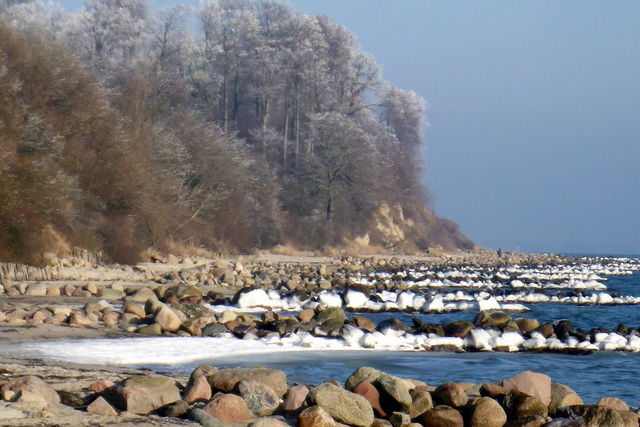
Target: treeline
236 126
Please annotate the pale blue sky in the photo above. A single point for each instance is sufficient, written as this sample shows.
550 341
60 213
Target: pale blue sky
534 113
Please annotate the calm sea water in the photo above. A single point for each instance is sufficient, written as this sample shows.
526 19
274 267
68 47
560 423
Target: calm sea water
592 377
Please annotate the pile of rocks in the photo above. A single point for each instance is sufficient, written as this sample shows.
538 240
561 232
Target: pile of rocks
369 397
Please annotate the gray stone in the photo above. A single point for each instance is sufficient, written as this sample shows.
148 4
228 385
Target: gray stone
204 418
142 395
344 406
101 407
227 379
260 398
362 374
394 394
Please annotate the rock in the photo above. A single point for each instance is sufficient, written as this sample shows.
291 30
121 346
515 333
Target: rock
400 419
29 401
381 423
111 319
142 395
344 406
204 418
34 385
527 325
53 291
214 330
459 329
450 394
198 389
315 416
531 383
167 318
100 386
133 308
441 416
599 416
394 394
562 395
336 313
260 398
37 290
177 409
227 316
269 422
395 325
142 295
486 412
296 397
10 413
101 407
421 401
364 323
369 392
362 374
563 329
613 403
306 315
630 418
110 294
226 379
522 405
228 408
492 390
153 329
546 330
79 321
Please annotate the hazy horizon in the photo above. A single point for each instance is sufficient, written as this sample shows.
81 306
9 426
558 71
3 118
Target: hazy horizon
533 113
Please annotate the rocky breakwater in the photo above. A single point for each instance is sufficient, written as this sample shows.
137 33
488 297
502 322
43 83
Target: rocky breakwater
262 397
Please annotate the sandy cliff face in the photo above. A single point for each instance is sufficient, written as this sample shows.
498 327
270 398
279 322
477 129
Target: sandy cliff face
411 229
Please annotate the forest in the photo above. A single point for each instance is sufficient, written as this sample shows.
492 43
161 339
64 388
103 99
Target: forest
235 126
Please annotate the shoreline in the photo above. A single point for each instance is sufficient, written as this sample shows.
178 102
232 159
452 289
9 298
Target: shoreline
163 300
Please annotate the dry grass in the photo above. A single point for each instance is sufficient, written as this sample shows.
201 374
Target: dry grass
189 249
52 241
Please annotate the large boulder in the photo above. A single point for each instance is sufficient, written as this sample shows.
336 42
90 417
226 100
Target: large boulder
531 383
142 395
260 398
450 394
227 379
521 405
486 412
101 407
459 328
34 385
369 392
331 313
599 416
197 389
229 408
315 416
167 318
613 403
421 401
441 416
394 394
296 396
561 396
362 374
344 406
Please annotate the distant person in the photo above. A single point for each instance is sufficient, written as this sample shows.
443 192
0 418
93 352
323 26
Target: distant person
499 252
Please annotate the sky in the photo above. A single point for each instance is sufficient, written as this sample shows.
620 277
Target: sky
534 115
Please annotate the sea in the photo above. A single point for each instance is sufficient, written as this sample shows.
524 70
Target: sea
602 373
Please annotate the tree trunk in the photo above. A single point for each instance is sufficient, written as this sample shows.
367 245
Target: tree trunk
225 103
286 136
